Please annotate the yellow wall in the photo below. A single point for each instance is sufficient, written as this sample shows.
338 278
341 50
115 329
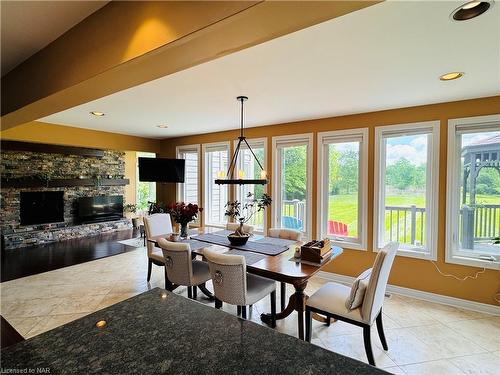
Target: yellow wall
41 132
131 174
407 272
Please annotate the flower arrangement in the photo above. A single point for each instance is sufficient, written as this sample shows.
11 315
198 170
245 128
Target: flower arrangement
183 214
243 213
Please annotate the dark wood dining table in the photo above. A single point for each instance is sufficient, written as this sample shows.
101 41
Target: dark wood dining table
282 267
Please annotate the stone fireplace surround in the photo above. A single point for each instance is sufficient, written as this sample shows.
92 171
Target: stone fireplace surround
60 164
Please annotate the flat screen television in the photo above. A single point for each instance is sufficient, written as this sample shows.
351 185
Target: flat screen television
161 170
41 207
100 208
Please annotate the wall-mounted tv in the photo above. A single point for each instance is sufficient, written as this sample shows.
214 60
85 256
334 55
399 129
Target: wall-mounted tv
100 208
41 207
161 170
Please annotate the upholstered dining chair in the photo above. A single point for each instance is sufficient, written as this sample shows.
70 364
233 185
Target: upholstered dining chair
342 302
181 268
233 285
287 234
246 227
156 225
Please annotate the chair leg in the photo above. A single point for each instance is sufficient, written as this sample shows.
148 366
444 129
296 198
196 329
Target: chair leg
380 330
218 303
244 312
238 310
195 291
283 296
368 345
190 292
150 266
273 309
308 325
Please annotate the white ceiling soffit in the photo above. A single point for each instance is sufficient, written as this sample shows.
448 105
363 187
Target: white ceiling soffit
386 56
29 26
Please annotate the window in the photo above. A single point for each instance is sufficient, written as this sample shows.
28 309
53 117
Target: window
145 191
292 182
406 188
216 196
188 191
249 168
342 182
473 191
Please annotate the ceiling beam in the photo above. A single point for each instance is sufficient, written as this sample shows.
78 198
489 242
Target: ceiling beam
125 44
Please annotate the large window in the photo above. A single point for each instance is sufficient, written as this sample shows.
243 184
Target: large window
292 182
473 196
342 180
216 196
145 191
247 167
188 191
406 187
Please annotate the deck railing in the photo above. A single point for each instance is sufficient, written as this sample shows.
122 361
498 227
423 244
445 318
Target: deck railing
405 224
479 222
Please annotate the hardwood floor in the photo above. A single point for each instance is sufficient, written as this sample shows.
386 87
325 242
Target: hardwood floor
33 260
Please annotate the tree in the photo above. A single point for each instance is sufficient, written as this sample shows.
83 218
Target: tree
401 174
348 171
333 169
295 172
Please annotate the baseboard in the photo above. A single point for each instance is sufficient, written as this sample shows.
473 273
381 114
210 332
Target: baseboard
418 294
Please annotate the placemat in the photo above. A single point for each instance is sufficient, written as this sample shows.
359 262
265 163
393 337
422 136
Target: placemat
256 247
259 238
195 245
250 258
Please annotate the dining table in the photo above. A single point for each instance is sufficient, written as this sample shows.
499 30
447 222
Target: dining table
282 266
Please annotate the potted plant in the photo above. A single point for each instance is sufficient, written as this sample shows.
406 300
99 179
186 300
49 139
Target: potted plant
243 214
183 214
130 210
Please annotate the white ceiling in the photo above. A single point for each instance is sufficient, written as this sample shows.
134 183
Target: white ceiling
386 56
28 26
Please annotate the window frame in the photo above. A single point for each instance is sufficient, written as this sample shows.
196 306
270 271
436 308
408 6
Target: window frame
339 136
257 143
292 140
432 188
454 254
204 148
179 193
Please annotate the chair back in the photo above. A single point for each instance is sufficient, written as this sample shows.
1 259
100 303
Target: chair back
229 276
178 262
234 226
287 234
291 222
154 225
375 292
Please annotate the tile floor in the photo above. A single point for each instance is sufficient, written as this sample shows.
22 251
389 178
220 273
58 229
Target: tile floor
423 337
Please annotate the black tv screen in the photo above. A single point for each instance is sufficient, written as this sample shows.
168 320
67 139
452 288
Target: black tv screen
100 208
161 170
41 207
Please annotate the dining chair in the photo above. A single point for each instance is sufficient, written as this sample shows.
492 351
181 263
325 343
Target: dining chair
233 285
155 225
247 228
340 302
288 234
181 268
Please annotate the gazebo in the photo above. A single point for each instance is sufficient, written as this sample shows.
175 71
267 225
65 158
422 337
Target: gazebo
478 221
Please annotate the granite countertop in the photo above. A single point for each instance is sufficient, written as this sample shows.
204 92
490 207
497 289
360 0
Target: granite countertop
148 334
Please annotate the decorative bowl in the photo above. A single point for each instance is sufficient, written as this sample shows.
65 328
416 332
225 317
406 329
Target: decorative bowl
237 240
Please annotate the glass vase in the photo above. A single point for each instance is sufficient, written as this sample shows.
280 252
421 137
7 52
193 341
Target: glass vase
184 230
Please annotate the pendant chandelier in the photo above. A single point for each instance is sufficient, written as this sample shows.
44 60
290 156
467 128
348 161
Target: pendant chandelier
230 178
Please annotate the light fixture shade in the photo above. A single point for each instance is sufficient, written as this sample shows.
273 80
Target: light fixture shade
231 180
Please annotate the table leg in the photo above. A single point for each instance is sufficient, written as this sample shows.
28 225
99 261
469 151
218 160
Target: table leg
296 302
205 291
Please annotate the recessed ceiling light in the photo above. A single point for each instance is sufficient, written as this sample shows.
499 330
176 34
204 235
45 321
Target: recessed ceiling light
470 10
451 76
162 126
97 113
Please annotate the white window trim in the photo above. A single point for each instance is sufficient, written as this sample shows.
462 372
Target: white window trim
190 148
432 196
452 253
295 139
322 204
258 142
204 148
